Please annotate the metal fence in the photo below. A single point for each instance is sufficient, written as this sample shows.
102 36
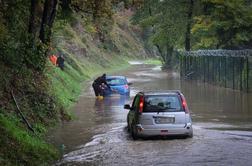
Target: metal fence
228 68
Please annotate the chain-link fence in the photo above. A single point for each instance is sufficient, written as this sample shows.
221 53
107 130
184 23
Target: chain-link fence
228 68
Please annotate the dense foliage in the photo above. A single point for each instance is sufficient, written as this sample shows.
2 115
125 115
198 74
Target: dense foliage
27 28
196 24
224 24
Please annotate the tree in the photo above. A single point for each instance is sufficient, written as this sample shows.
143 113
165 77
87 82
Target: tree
31 28
188 26
224 24
49 13
167 21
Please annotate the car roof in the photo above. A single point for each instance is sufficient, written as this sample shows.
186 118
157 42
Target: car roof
121 77
159 92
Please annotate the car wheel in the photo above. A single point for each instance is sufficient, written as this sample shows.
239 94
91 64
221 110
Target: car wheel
190 135
134 132
128 127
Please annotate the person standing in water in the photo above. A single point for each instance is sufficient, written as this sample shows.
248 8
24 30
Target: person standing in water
98 85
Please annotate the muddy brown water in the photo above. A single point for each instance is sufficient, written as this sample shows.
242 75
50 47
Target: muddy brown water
222 123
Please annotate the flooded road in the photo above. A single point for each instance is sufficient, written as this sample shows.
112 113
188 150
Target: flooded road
222 123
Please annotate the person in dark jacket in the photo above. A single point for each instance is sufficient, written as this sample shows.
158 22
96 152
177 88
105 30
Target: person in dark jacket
60 62
98 85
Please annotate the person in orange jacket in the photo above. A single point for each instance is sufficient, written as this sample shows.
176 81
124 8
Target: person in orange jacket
53 59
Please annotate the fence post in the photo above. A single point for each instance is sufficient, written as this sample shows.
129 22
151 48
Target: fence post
219 70
247 72
204 66
233 70
180 64
214 69
208 69
240 72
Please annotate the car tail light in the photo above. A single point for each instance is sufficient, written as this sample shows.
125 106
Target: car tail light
126 86
141 104
184 104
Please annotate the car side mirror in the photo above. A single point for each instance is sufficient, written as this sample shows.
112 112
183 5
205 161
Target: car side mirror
127 107
130 83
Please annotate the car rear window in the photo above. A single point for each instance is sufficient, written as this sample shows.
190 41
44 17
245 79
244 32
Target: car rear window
162 103
116 81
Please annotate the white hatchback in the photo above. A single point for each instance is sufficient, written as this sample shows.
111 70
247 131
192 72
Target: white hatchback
159 113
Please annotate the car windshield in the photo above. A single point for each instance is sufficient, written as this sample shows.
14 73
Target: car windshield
116 81
162 103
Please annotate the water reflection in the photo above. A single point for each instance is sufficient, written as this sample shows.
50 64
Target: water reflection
110 102
217 104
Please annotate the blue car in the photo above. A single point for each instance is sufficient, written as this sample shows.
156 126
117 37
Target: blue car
118 85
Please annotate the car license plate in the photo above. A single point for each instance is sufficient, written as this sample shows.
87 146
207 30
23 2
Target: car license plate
164 120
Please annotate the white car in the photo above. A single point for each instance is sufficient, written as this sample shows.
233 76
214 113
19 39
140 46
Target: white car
159 113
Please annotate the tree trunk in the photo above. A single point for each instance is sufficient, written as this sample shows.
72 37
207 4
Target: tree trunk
53 14
188 26
168 56
31 29
42 34
2 4
49 14
96 9
160 52
65 4
150 12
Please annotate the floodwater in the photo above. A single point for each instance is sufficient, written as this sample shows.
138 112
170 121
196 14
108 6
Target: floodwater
222 123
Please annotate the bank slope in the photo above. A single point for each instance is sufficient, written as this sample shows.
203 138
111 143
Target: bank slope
46 99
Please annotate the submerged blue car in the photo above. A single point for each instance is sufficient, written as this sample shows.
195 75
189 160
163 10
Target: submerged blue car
118 85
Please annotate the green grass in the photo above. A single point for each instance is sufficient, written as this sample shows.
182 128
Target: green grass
65 85
29 149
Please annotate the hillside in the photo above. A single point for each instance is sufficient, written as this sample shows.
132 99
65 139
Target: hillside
86 56
46 98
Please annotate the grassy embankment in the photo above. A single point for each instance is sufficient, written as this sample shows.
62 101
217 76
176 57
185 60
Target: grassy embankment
85 58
